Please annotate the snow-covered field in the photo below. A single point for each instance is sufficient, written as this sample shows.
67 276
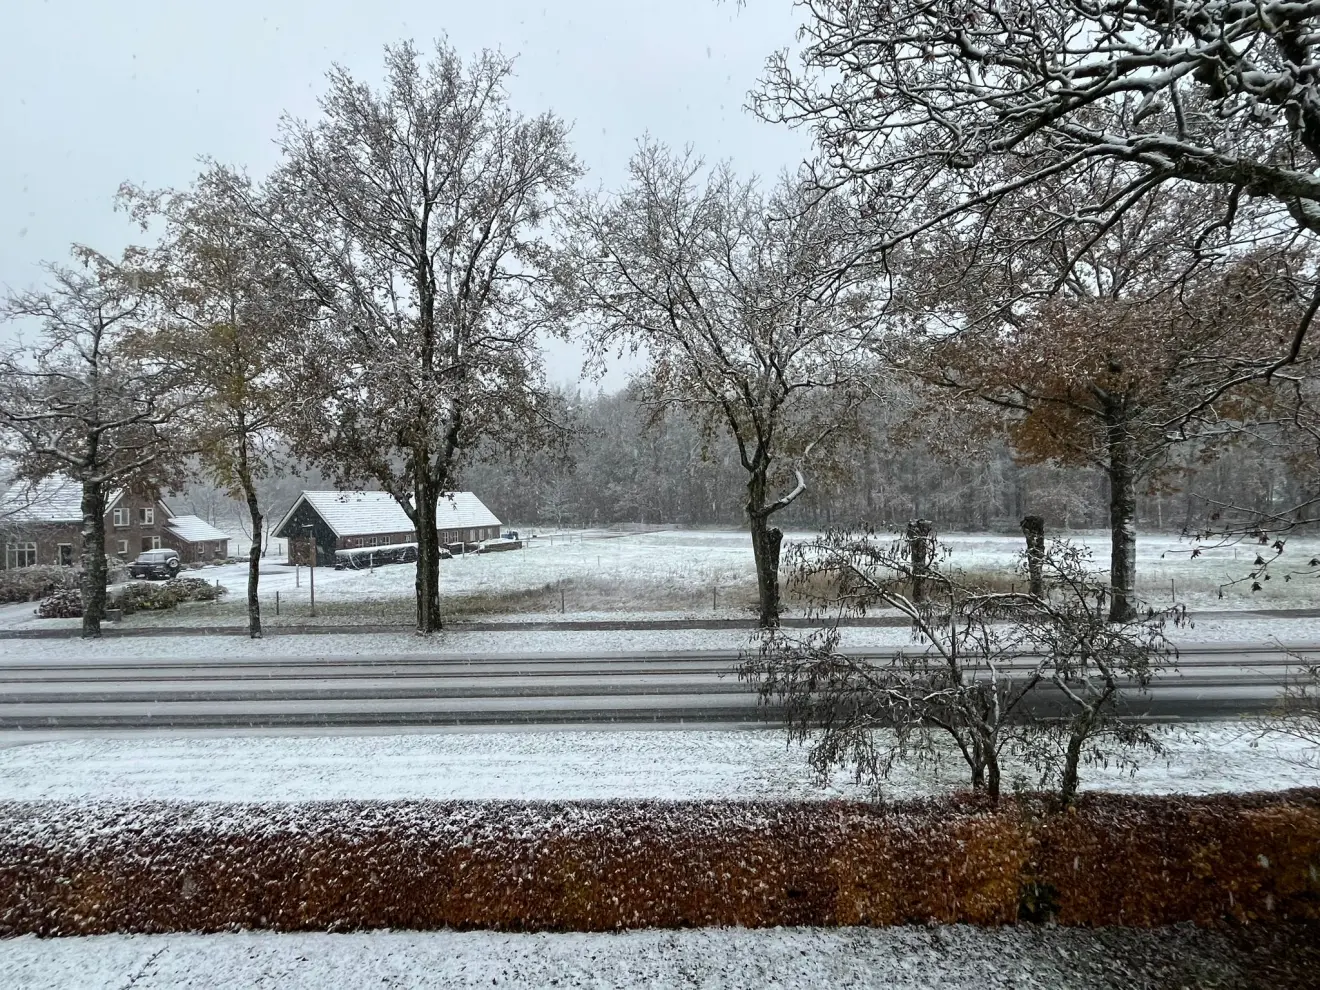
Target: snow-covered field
950 958
678 764
695 573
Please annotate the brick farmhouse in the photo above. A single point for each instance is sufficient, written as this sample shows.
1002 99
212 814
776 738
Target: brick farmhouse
42 524
353 520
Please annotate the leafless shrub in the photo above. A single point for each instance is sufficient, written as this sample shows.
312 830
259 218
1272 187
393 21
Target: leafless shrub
992 672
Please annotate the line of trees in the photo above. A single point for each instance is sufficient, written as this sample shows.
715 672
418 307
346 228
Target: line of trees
1032 269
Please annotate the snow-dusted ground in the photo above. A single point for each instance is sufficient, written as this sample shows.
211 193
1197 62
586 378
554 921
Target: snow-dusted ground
183 647
678 764
951 958
697 573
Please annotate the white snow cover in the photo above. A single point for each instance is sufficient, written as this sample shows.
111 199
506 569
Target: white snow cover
753 764
194 529
54 499
367 513
955 957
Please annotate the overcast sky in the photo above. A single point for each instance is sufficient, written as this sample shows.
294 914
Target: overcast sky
93 93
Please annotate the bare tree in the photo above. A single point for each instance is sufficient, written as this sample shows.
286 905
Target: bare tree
755 314
86 400
934 113
993 673
415 219
229 304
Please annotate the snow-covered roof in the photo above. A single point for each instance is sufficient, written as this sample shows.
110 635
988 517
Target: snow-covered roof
53 499
194 529
368 513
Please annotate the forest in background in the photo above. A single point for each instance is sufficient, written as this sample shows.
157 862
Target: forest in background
623 468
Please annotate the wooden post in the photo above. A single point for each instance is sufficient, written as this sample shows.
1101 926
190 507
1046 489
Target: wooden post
561 597
1033 528
277 603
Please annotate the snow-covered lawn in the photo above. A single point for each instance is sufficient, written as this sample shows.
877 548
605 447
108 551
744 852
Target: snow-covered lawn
687 573
682 573
678 764
950 958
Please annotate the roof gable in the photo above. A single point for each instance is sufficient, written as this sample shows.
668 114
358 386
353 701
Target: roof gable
373 513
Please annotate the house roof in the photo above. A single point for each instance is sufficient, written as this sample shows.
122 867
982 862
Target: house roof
56 499
371 513
194 529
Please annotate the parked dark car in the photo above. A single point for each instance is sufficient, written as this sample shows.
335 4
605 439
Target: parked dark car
163 564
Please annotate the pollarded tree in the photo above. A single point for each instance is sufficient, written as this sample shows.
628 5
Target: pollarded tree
86 399
228 303
934 112
755 313
415 219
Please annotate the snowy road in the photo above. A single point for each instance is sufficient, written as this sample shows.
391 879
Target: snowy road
1211 681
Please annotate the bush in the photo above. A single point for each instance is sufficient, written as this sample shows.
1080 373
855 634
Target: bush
190 589
63 604
27 584
142 596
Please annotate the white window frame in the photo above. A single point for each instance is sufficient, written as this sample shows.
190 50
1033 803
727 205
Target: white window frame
122 517
147 516
28 551
122 550
59 554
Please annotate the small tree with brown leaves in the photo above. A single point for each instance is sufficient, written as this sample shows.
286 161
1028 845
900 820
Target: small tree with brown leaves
228 305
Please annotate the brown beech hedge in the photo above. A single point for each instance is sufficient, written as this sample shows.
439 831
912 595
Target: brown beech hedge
154 867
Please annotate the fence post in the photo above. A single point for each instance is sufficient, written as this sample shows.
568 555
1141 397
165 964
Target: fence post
277 603
561 597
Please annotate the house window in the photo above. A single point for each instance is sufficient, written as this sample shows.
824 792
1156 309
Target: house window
20 555
122 548
147 516
151 543
64 554
121 517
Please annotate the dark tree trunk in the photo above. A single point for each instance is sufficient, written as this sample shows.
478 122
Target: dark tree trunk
766 541
919 540
254 552
1122 518
1072 759
93 558
428 560
1033 528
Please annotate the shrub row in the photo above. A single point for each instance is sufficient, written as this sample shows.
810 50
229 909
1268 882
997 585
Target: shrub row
84 869
27 584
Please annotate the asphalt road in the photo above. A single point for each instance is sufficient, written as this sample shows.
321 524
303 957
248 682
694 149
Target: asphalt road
361 691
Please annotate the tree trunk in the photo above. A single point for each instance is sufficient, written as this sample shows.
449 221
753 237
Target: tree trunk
1122 519
918 540
93 558
1033 528
1071 761
766 541
254 552
254 567
428 560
